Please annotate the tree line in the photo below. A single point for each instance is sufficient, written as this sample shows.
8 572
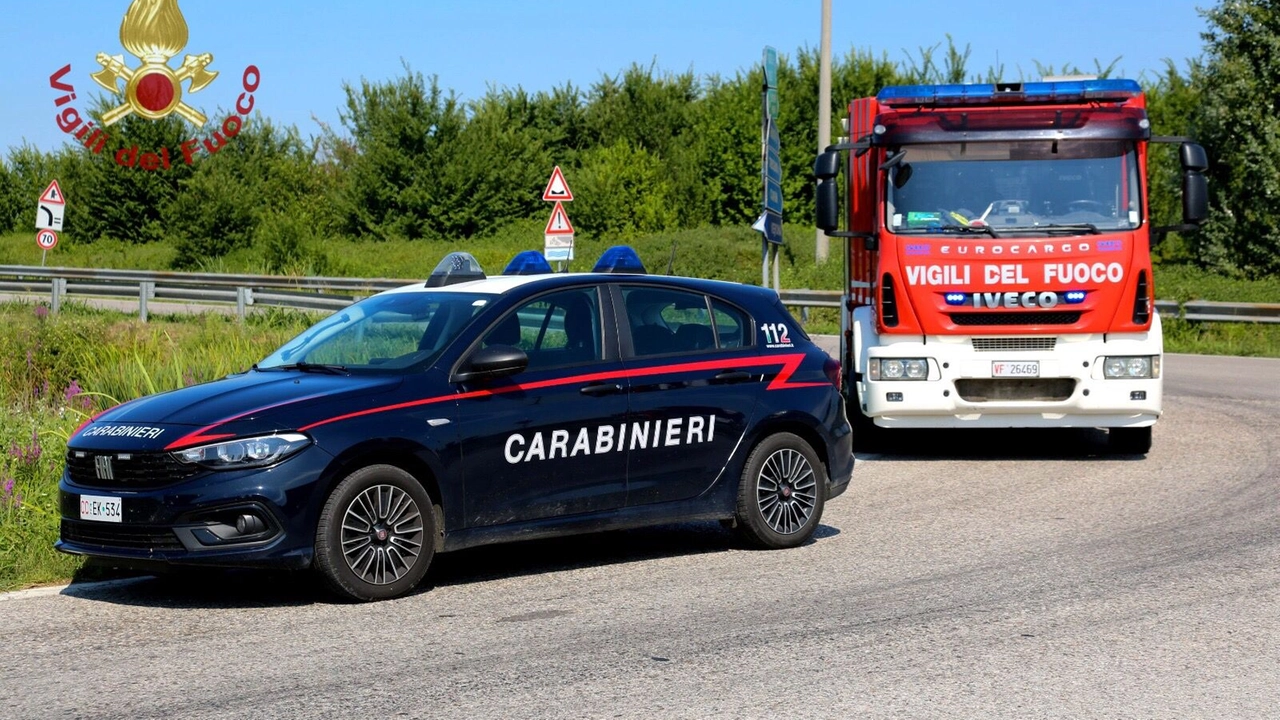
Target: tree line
644 150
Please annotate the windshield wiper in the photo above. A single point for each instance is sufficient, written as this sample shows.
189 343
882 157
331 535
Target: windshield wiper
1060 228
983 228
311 367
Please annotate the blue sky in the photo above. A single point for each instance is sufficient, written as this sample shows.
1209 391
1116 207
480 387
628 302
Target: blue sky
306 49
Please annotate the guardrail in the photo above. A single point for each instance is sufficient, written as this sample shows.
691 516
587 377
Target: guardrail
333 293
1192 310
244 291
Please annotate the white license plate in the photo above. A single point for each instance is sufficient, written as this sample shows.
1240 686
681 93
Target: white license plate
1015 369
101 509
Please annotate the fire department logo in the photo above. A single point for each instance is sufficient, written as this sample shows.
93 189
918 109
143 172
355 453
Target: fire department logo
154 31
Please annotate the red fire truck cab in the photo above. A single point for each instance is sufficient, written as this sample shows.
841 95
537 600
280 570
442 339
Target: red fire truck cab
998 266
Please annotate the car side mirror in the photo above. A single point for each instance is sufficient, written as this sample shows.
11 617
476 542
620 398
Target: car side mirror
494 361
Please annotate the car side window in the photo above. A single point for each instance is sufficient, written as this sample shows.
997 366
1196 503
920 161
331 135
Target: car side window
731 325
554 330
665 321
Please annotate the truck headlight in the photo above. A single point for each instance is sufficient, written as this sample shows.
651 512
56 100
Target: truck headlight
244 453
898 369
1131 367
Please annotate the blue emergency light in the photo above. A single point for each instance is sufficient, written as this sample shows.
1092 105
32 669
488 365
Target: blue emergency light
456 267
1010 93
620 259
529 262
1074 297
956 298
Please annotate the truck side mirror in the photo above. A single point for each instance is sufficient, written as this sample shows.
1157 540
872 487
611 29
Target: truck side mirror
1195 187
825 169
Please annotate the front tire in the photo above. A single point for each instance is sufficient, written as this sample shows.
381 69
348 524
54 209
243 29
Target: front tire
782 493
1129 440
376 535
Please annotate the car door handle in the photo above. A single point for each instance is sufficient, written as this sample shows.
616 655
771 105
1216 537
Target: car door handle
601 389
732 376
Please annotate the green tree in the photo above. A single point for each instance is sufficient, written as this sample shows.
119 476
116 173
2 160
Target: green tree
1238 124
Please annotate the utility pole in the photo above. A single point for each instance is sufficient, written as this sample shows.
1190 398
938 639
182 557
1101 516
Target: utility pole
822 249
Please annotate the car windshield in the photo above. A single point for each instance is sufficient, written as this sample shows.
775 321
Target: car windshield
385 332
1007 188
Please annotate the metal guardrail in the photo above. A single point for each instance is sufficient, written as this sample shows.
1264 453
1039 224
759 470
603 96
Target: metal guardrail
334 293
244 291
1192 310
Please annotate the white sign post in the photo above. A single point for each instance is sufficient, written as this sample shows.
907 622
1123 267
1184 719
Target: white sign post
559 233
50 211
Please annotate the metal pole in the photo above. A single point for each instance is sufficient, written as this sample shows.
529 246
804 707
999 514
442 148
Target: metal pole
822 248
777 286
764 269
43 255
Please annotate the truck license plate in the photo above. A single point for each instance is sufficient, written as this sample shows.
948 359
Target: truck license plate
1015 369
101 509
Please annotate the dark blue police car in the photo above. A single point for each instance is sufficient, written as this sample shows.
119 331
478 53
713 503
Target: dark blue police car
470 410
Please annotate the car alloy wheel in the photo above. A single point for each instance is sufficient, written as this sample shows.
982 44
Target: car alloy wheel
782 492
787 491
382 534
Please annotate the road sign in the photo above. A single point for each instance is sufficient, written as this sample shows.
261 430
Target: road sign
51 208
53 194
772 197
771 101
773 166
557 189
558 254
558 223
769 225
770 67
47 239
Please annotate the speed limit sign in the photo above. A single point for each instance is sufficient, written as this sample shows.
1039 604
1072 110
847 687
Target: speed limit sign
47 239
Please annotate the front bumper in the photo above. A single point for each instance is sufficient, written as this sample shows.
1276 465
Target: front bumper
192 522
962 392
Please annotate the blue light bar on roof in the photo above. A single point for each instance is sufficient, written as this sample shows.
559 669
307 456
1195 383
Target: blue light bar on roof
620 259
1010 93
529 262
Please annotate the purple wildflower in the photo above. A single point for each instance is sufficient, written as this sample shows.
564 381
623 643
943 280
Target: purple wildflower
42 311
188 377
44 390
8 488
72 392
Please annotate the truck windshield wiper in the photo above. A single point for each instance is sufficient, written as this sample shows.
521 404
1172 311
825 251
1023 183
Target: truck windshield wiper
984 229
311 367
1060 228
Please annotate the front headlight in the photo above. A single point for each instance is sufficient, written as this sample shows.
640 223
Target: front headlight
898 369
1136 367
245 452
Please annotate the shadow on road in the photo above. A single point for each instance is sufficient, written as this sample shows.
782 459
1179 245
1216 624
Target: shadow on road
988 444
209 588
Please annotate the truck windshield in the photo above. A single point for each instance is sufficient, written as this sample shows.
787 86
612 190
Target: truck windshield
1015 188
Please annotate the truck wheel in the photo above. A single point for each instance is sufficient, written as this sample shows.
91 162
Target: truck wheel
781 494
375 538
1129 440
867 436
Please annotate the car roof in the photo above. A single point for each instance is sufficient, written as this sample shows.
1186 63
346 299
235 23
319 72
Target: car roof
503 284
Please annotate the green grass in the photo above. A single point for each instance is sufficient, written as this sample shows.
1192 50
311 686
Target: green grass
55 371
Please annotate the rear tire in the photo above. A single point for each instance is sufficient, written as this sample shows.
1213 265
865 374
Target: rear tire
781 494
376 535
1129 440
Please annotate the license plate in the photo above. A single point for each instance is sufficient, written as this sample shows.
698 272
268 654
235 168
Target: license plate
101 509
1015 369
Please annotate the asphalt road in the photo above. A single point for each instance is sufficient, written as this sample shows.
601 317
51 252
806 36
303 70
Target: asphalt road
985 575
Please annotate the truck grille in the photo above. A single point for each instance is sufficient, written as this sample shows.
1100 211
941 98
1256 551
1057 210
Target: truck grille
117 535
1015 318
128 471
1013 343
1005 389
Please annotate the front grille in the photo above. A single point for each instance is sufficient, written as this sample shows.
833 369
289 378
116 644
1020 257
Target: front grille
1005 389
117 535
129 471
1016 318
1013 343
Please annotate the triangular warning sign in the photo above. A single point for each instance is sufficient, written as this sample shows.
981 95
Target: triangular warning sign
557 189
53 194
558 223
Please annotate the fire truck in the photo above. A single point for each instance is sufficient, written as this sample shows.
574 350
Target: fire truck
998 269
